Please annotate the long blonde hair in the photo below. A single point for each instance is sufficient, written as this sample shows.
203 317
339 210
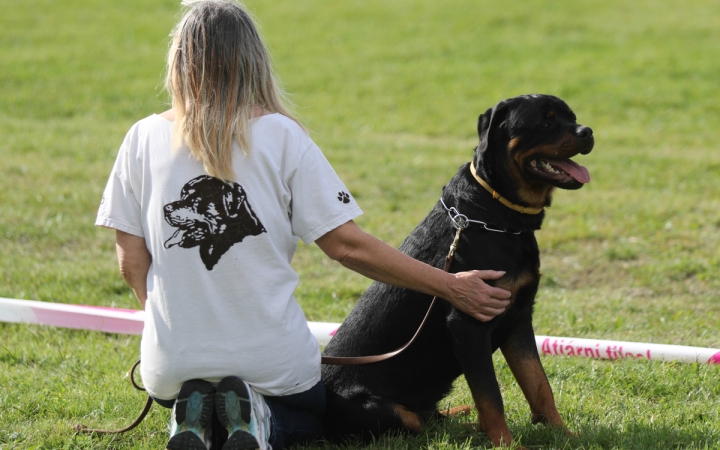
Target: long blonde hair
218 73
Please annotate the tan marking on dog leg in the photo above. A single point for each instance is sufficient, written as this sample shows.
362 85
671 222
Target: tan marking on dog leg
492 423
457 411
491 417
529 373
409 419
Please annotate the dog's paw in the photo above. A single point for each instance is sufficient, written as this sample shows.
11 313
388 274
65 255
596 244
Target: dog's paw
457 411
344 197
557 424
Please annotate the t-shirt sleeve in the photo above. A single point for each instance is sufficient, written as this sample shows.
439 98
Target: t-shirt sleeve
320 200
120 205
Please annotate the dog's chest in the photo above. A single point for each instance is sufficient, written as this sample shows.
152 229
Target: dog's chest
485 250
516 255
518 284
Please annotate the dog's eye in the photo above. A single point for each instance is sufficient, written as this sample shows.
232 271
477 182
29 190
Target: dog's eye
547 125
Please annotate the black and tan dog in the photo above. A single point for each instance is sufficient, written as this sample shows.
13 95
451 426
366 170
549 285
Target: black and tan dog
524 153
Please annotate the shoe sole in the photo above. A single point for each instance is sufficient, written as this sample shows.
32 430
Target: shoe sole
194 409
241 440
187 440
233 407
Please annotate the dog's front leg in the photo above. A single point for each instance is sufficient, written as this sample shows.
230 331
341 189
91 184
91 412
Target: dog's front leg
521 354
473 349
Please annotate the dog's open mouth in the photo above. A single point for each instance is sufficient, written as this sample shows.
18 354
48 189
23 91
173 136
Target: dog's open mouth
561 170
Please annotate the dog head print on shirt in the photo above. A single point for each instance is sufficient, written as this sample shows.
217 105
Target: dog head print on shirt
212 215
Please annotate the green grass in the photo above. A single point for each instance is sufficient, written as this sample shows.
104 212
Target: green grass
392 91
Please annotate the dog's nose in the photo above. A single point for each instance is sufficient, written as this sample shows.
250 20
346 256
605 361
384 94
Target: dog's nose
584 132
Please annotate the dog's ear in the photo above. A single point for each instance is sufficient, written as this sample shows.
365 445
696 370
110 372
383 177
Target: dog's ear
490 131
491 125
192 186
233 197
483 128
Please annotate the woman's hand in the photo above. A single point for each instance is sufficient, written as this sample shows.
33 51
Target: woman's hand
371 257
471 295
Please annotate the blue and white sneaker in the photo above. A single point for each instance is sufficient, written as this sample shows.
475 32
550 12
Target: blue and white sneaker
192 417
244 413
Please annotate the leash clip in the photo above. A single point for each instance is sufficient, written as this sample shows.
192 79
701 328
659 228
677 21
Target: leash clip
459 221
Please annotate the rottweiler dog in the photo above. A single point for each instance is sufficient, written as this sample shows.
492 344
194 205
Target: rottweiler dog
212 215
524 151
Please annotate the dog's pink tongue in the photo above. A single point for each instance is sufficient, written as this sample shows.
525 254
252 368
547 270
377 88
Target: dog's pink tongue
572 168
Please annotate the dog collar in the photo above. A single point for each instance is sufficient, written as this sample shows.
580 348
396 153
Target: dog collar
500 198
461 221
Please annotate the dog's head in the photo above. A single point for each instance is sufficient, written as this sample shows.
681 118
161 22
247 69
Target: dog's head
526 145
205 207
213 215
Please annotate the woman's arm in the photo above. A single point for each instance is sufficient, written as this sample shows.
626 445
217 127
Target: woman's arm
369 256
134 259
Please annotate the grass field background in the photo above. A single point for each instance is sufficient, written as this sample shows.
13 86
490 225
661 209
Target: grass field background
391 91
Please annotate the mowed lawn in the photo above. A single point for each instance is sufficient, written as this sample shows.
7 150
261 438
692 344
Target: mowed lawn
391 91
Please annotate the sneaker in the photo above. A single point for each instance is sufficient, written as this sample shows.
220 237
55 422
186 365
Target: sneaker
191 417
244 413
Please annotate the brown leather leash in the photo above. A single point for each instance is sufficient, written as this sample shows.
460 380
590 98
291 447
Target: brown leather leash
331 360
355 360
148 404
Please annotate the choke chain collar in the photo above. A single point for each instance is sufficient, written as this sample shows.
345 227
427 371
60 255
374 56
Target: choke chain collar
461 221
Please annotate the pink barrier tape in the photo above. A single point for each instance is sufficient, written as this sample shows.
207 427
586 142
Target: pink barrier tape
714 359
594 348
590 348
129 321
108 320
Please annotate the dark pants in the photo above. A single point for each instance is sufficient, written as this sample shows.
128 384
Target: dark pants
295 418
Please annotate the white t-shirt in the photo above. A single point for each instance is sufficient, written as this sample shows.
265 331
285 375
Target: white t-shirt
220 287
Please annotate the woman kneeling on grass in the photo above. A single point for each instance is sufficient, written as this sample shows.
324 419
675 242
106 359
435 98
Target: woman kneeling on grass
230 171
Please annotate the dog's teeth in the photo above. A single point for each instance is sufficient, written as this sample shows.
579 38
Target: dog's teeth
547 166
536 163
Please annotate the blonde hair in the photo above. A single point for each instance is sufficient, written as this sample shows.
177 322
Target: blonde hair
218 73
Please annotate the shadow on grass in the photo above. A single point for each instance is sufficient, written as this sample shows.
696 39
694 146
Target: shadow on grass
455 434
648 436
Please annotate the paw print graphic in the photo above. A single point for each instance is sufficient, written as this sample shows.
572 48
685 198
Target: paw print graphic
344 197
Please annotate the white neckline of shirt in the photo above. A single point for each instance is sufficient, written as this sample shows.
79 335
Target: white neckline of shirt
254 119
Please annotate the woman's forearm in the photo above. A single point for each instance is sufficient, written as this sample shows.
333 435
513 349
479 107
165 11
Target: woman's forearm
134 260
376 260
369 256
